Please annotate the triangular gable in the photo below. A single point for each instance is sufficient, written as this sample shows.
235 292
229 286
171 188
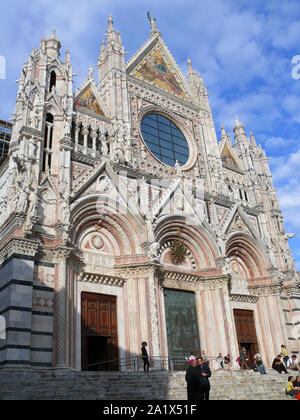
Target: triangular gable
102 180
229 158
87 101
238 221
155 65
178 201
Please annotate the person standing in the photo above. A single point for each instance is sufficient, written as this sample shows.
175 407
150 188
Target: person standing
145 357
204 373
243 359
192 380
284 354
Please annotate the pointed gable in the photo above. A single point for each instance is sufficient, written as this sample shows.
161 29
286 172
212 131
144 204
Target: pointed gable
155 65
87 101
229 158
155 69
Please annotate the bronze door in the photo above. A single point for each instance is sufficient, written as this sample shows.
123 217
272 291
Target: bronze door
246 332
99 335
182 323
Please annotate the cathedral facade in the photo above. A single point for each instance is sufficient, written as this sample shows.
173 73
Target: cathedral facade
124 219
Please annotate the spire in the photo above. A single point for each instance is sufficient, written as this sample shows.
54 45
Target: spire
239 131
253 139
237 122
53 45
152 20
68 56
189 62
110 24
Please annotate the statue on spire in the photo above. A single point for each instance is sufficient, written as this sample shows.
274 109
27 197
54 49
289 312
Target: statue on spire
152 21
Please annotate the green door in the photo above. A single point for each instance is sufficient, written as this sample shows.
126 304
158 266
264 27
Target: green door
182 324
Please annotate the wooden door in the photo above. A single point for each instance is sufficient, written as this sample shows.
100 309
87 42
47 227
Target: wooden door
246 332
99 333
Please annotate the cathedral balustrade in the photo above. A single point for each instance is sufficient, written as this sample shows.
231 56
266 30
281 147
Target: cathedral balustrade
89 139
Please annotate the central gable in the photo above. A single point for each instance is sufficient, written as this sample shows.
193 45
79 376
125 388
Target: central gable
155 65
155 69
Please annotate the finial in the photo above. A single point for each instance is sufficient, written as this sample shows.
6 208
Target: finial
67 56
91 73
110 23
53 34
189 65
253 139
152 21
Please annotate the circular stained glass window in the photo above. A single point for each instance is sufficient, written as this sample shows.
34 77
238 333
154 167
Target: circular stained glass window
165 140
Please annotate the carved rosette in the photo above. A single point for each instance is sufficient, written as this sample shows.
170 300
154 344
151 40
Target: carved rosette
178 252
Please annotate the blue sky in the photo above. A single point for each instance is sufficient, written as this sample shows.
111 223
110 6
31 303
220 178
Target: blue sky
242 48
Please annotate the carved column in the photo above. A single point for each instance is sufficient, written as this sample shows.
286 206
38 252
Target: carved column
62 307
154 279
94 138
85 140
77 129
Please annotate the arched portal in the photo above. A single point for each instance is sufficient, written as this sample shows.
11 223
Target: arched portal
107 239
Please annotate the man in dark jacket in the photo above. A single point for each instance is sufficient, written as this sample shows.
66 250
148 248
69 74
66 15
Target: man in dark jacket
192 379
279 365
145 357
204 373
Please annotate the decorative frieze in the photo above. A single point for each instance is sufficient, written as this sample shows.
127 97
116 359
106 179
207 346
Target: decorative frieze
20 246
101 279
182 280
244 298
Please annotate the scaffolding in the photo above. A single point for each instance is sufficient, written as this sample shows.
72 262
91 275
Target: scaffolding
5 136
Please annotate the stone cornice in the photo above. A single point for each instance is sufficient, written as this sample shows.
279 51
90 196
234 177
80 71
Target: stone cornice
31 132
101 279
135 270
154 89
14 221
266 290
20 246
56 254
200 283
87 160
244 298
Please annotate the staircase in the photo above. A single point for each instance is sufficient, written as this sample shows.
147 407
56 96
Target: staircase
51 384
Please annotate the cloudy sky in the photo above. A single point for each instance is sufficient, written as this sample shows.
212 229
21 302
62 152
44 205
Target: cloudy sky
244 50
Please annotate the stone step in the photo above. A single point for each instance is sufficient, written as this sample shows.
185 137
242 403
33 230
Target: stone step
55 384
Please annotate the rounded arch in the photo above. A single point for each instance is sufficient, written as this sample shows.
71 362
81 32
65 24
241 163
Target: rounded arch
202 249
249 254
121 231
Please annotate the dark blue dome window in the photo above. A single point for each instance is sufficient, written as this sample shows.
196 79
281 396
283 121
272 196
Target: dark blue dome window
165 140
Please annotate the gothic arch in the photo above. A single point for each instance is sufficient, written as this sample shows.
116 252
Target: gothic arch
249 254
121 231
202 249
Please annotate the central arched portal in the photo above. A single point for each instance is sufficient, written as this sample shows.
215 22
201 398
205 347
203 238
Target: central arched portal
182 323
